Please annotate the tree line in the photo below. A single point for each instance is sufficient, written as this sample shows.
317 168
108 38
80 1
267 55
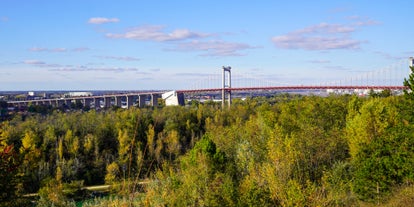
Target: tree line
286 150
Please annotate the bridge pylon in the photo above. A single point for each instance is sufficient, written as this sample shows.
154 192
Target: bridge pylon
224 90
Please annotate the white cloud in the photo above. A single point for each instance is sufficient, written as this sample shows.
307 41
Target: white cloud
80 49
183 40
102 20
33 62
214 48
388 56
38 49
337 68
319 61
86 69
322 36
59 49
155 69
156 33
124 58
362 21
315 43
194 74
77 68
325 28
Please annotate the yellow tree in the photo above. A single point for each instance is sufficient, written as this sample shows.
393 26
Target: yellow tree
159 147
59 161
4 133
374 117
112 173
150 139
31 155
75 145
72 143
28 142
124 148
89 143
173 143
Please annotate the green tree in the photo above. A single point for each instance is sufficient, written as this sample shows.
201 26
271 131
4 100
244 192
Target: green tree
201 180
9 163
48 144
384 163
380 144
409 84
3 110
52 194
374 117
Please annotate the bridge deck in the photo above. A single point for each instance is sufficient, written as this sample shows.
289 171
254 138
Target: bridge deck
270 88
296 88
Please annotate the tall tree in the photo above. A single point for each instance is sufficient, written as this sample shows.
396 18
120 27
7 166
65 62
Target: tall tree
150 139
124 150
8 179
173 143
31 157
409 84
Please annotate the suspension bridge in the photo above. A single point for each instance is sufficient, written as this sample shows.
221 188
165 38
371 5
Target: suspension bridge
390 77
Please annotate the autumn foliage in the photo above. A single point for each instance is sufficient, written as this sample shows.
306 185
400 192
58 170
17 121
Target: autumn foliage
284 150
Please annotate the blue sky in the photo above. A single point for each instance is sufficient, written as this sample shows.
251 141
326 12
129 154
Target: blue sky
134 45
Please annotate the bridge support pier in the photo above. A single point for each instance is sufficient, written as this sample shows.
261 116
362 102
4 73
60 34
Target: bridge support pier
60 103
129 101
141 100
87 102
118 101
107 102
154 99
224 90
97 103
68 103
78 103
53 103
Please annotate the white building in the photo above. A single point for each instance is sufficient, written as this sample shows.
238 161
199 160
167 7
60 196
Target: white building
78 94
173 98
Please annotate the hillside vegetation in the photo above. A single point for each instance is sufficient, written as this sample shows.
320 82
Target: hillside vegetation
279 151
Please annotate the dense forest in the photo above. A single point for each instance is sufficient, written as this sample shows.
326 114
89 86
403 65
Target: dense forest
286 150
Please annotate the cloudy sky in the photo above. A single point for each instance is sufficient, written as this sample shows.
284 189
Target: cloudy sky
134 45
